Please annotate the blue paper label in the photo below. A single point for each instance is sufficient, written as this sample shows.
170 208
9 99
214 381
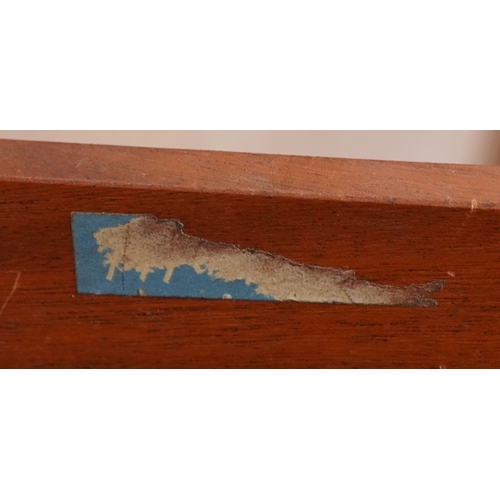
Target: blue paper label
121 254
98 271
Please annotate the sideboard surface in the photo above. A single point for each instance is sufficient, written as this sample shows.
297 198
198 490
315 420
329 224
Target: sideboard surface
392 223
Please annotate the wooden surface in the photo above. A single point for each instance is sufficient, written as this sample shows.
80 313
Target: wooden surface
253 174
441 234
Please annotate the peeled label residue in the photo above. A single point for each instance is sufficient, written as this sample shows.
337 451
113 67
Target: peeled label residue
141 255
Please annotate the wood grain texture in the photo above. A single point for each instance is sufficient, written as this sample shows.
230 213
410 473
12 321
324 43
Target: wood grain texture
253 174
45 323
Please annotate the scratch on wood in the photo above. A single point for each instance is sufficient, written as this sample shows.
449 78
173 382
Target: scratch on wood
14 287
146 244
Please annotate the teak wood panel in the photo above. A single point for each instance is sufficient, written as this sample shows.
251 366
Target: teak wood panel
45 323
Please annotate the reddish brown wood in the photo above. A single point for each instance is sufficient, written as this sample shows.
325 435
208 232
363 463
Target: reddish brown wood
46 323
253 174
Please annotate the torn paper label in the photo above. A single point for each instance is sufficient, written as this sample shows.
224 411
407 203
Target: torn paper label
141 255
